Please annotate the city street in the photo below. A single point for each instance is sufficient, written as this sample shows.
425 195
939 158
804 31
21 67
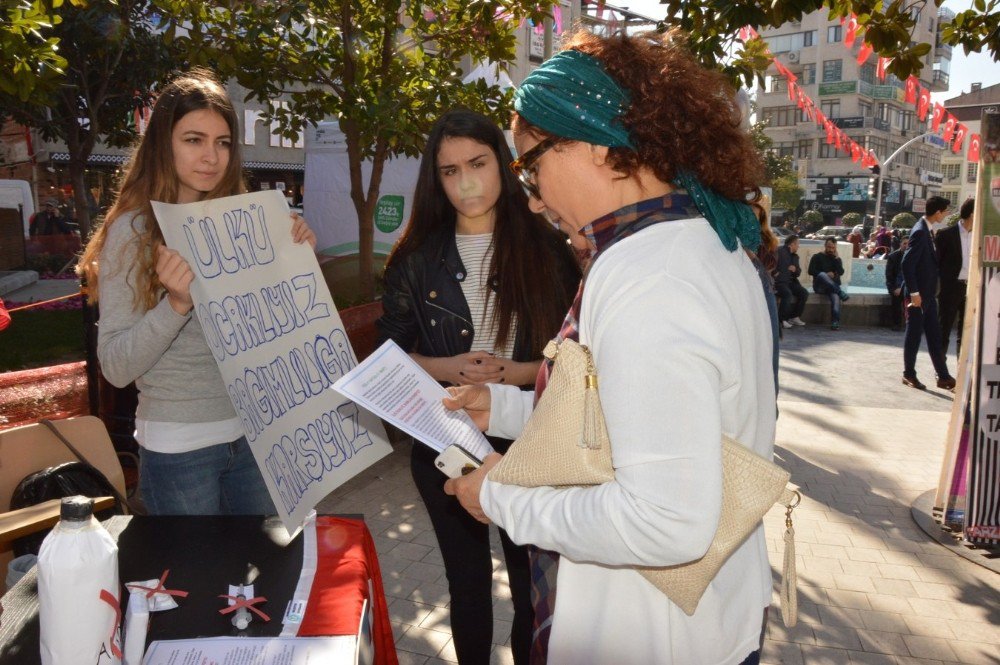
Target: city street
873 587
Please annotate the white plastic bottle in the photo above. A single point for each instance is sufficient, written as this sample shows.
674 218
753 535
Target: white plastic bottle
78 592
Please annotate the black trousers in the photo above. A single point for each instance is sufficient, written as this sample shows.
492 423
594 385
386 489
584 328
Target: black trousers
897 309
792 296
468 565
923 323
951 306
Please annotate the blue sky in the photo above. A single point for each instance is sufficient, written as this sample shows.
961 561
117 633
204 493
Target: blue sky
965 70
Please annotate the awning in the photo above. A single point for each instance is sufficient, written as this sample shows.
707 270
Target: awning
274 166
93 160
118 160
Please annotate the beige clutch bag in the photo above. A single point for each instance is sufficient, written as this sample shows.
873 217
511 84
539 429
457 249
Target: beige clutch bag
565 442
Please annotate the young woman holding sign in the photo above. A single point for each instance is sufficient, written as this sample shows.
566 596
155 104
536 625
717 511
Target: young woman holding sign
474 288
194 459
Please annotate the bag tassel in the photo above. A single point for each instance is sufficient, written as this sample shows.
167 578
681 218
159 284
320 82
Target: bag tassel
789 580
593 414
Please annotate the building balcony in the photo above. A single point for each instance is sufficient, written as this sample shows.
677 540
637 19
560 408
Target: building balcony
942 51
939 82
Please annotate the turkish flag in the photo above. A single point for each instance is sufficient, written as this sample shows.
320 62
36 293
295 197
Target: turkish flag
937 116
911 90
960 133
880 69
864 52
792 88
974 143
820 119
855 151
828 126
851 32
923 103
949 128
781 68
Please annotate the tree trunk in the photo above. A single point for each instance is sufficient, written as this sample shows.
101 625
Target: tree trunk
77 172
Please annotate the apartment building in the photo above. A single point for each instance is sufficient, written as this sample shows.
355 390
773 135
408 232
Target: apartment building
958 174
872 112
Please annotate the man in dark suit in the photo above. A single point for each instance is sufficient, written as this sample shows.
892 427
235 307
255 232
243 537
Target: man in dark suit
790 292
920 273
894 283
953 246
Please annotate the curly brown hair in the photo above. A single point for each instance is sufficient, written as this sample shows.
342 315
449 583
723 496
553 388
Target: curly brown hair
682 115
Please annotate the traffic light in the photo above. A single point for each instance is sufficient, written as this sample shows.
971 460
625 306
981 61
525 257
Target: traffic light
873 181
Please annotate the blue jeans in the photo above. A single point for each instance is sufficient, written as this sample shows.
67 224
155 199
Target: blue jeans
823 285
223 479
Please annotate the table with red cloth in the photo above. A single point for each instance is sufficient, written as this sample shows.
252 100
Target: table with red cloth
206 554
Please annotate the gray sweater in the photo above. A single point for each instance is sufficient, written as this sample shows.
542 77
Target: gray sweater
163 352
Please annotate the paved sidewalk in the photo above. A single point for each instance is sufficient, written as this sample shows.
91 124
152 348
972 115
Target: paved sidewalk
873 588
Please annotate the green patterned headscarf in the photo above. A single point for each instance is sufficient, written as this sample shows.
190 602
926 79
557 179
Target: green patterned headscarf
572 96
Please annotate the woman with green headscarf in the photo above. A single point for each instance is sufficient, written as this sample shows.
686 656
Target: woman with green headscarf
636 152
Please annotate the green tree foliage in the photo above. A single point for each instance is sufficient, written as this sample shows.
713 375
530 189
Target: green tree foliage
888 26
384 69
30 62
852 219
775 165
811 220
786 193
903 220
114 57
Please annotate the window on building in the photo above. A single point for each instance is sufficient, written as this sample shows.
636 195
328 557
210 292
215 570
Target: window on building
970 174
778 84
906 120
808 76
830 108
908 157
883 112
792 42
833 34
951 171
877 144
827 151
864 109
781 116
805 148
866 73
832 70
784 148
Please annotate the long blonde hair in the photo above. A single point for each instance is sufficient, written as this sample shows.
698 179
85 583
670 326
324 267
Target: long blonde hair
150 176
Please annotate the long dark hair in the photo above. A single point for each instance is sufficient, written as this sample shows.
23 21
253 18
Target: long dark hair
524 271
151 176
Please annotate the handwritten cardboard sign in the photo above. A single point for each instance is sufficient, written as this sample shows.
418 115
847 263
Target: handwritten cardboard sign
270 321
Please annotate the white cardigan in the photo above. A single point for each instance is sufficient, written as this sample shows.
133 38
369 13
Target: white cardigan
682 342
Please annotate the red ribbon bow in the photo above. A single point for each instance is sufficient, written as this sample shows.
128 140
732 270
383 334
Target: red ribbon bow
244 602
159 588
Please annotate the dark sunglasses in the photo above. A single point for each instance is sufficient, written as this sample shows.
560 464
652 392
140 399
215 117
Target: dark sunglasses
524 166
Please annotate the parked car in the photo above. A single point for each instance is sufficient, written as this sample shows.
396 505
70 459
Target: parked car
838 232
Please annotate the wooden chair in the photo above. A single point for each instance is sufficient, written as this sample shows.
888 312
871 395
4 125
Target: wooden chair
30 448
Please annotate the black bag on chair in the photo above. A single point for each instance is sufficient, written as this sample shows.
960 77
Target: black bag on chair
56 482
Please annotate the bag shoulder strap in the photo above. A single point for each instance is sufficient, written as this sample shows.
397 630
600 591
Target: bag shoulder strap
122 501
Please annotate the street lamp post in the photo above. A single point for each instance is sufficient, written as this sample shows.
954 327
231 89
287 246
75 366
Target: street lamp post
883 165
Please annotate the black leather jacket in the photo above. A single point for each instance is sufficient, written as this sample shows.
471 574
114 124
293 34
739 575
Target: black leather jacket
425 310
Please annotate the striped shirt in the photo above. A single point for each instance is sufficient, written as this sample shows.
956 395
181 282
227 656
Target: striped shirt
476 251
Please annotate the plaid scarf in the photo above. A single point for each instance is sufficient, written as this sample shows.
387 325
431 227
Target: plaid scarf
602 233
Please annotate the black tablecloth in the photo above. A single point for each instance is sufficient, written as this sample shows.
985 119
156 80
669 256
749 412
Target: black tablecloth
204 555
